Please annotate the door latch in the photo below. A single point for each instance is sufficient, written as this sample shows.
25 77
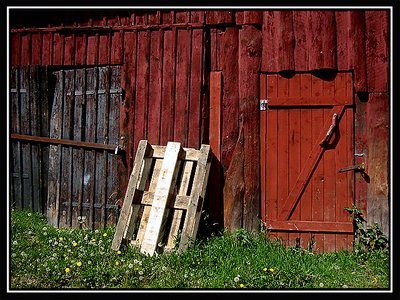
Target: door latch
360 168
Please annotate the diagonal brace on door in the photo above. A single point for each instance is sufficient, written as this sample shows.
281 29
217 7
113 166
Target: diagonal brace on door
311 163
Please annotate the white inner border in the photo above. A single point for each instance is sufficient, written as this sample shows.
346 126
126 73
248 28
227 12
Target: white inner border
211 8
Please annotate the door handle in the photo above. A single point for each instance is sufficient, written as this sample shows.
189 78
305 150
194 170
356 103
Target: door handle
360 168
330 130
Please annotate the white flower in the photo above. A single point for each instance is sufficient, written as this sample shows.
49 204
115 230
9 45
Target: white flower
321 284
237 278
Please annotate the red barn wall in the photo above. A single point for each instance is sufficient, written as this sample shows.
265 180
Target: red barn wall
154 47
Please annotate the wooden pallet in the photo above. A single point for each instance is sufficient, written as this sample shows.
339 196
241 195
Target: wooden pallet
164 198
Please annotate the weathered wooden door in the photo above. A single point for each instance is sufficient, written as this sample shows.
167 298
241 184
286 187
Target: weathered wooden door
83 187
306 136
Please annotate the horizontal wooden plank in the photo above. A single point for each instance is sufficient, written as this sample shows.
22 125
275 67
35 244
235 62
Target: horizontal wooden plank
55 141
181 201
310 226
309 101
114 28
186 154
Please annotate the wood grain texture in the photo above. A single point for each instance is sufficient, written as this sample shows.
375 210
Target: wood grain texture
250 48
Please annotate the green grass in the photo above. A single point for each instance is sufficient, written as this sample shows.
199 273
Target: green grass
44 257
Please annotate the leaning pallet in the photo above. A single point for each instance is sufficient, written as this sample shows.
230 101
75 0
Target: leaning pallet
164 198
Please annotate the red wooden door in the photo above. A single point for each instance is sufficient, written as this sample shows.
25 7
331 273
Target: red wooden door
306 136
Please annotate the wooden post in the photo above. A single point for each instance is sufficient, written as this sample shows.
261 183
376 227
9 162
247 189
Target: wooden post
250 48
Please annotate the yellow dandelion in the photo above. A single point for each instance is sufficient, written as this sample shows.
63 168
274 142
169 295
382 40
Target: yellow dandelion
119 252
67 270
271 270
241 285
117 263
265 269
79 263
60 239
74 244
104 234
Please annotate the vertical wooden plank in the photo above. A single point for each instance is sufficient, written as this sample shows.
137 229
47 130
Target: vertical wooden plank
128 83
55 152
77 153
69 49
248 17
168 16
90 155
92 49
322 46
230 100
196 69
249 67
344 158
350 28
16 170
116 47
219 16
102 138
234 188
123 219
80 49
58 52
168 87
282 182
197 195
307 141
331 184
294 148
377 50
278 34
271 206
182 86
104 49
141 18
162 193
216 183
113 139
36 48
215 113
155 81
15 49
302 36
317 180
25 49
26 147
66 198
343 215
47 48
44 78
377 160
142 86
154 18
182 16
263 148
197 16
